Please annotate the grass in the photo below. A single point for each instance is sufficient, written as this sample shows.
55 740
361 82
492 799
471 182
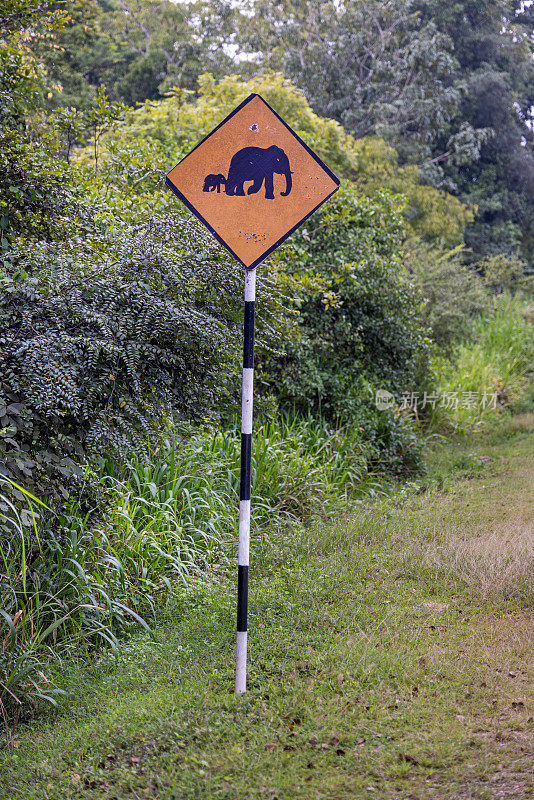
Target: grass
190 485
497 558
489 372
168 514
499 563
59 594
377 666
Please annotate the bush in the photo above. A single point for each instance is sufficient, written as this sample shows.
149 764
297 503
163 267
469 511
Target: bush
360 319
137 309
98 337
503 273
453 293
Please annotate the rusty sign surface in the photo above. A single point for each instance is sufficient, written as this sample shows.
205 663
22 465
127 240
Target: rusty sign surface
252 181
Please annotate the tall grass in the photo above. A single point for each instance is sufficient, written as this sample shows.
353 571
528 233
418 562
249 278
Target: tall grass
495 564
88 580
184 493
60 589
498 565
490 372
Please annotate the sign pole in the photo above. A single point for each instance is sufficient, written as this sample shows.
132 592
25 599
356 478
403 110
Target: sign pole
244 490
228 182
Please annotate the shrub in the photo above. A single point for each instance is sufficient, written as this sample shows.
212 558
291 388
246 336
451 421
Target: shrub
503 273
453 293
97 337
360 318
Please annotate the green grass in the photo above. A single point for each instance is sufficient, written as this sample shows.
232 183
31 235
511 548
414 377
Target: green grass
61 592
373 671
167 515
494 367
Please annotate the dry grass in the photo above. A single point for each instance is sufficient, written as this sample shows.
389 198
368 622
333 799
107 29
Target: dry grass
481 533
495 564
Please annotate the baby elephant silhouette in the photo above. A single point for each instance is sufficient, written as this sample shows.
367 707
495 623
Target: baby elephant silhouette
214 182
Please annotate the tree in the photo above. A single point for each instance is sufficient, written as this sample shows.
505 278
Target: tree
368 63
453 292
34 188
173 43
493 46
137 49
449 85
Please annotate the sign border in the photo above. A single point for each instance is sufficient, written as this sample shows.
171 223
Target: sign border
199 216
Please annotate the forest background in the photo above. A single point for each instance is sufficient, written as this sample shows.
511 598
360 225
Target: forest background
121 319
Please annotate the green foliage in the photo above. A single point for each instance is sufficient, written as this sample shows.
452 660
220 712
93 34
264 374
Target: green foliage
503 273
494 368
176 123
136 309
360 323
493 48
447 84
97 335
120 315
433 215
452 292
137 49
371 65
167 508
360 318
338 609
62 590
74 56
34 186
189 485
167 44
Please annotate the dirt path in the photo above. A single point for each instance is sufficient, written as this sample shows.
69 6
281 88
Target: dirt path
392 657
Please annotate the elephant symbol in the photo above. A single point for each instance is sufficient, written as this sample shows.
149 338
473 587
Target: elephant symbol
259 165
213 182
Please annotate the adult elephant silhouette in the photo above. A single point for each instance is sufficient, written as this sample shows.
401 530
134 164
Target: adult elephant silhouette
258 164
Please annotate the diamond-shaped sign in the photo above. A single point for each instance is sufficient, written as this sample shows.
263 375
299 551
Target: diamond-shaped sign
252 181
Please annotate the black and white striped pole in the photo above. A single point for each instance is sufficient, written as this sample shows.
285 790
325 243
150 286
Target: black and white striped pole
244 490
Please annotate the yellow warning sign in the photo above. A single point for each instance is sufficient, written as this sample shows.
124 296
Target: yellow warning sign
252 181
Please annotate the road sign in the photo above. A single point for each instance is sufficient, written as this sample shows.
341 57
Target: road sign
252 181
